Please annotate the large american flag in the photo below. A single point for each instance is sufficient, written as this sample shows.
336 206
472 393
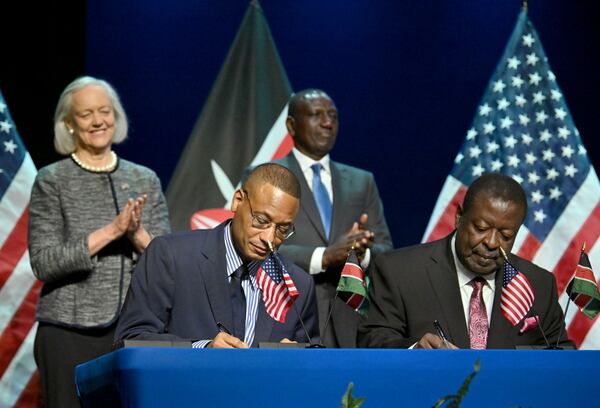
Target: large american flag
278 289
523 128
517 294
19 383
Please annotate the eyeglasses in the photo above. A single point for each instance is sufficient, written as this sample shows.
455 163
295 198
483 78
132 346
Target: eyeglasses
283 231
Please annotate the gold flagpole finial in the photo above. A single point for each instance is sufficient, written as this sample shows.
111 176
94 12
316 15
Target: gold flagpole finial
353 245
583 247
503 254
270 246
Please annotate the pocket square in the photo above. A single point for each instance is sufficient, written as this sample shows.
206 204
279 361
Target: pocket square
530 323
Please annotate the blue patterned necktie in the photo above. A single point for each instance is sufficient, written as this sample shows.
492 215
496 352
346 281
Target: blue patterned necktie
321 198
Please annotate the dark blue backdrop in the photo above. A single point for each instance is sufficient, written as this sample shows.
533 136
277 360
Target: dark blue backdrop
406 76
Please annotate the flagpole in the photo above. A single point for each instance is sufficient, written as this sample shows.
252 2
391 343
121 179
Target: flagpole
568 301
334 298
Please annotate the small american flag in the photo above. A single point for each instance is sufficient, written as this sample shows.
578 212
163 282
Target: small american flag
278 289
523 128
19 382
517 294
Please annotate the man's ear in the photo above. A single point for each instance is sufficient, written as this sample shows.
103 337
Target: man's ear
290 124
238 197
458 215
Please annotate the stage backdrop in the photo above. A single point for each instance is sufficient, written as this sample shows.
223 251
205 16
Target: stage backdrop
406 77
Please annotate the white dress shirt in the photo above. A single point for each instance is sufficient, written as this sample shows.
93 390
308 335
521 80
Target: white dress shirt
466 289
316 260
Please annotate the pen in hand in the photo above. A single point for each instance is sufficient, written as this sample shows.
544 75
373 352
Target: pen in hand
441 333
223 329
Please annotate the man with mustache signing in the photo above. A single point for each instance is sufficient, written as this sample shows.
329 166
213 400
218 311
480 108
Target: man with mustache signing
458 281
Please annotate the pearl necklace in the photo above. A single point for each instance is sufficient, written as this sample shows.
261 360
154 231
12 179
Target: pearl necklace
104 169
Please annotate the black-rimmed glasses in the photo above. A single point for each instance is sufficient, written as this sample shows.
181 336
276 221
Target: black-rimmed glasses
283 231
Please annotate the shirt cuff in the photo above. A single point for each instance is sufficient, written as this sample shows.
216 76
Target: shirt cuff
200 343
316 261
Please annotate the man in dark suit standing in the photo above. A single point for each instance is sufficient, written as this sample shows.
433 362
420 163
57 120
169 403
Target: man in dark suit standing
203 285
458 280
340 206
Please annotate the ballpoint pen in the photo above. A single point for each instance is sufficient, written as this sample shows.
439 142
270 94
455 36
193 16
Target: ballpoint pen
223 329
440 332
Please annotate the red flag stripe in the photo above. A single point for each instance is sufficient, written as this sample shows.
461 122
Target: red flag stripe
353 271
14 247
529 247
284 148
31 395
445 223
588 233
355 301
18 328
579 327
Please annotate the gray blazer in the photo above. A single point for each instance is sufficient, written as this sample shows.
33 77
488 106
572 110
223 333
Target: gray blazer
67 204
354 192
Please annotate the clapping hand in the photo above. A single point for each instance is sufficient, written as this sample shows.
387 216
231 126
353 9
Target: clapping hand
358 236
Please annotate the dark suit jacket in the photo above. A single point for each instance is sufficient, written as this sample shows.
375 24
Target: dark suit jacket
180 291
354 193
413 286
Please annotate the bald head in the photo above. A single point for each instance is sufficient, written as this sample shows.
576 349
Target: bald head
303 96
275 175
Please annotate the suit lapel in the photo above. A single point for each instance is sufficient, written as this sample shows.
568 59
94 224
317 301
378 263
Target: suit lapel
444 280
215 276
307 203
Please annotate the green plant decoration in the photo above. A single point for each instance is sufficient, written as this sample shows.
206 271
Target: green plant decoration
348 401
455 399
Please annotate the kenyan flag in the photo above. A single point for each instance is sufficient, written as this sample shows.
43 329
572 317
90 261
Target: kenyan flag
582 288
352 287
242 124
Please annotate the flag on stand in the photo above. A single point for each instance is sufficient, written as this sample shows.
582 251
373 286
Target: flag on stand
242 124
278 289
582 289
352 287
523 128
517 294
19 381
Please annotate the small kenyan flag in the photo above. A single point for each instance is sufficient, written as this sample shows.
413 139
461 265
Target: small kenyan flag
582 288
352 287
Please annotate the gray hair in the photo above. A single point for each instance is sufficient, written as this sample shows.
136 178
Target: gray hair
64 142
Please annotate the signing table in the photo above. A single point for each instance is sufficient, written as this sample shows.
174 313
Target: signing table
172 377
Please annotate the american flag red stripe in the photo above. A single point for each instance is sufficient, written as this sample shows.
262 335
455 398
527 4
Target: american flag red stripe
30 397
19 384
529 247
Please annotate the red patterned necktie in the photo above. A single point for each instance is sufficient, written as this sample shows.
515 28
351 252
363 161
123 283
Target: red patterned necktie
478 321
